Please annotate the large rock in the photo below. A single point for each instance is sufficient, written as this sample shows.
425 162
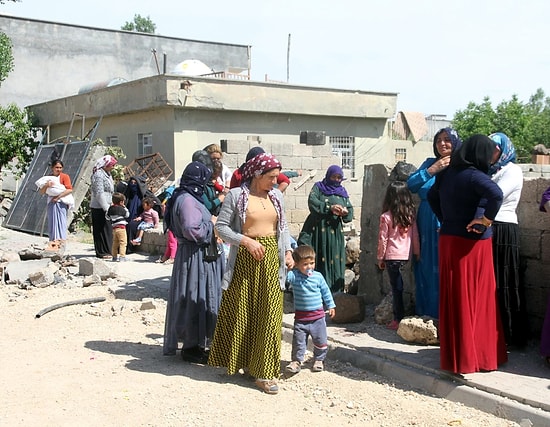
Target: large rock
349 308
89 266
45 277
352 250
383 313
421 330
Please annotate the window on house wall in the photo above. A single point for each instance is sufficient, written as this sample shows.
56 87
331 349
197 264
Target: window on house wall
400 154
145 144
344 148
112 141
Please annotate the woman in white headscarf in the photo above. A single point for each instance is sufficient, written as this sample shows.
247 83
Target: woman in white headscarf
102 188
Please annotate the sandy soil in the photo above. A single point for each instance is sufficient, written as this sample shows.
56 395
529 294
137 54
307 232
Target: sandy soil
102 364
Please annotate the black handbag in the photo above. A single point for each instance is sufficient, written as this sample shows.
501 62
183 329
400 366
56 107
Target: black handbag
211 251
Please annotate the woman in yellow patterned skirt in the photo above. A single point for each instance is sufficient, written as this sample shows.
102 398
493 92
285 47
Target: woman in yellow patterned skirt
252 221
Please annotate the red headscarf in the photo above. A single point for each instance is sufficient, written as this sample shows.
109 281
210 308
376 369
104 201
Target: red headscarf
259 165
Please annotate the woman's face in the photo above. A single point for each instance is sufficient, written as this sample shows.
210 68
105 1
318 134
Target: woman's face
444 144
57 169
496 155
108 169
266 181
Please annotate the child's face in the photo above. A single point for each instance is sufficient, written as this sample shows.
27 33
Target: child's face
146 206
306 264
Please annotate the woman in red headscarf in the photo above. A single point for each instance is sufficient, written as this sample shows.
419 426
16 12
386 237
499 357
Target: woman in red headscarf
252 221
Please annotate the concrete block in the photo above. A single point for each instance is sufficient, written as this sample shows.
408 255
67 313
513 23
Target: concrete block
302 151
299 215
102 269
545 247
234 146
349 308
529 243
41 279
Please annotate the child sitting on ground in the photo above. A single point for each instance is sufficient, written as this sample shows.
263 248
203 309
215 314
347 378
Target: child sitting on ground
117 215
149 218
310 292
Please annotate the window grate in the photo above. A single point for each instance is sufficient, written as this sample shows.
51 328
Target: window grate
344 148
400 155
145 144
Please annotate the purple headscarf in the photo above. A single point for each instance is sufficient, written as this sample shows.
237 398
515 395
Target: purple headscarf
329 187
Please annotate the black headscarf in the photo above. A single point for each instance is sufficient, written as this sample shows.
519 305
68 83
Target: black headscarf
253 152
203 157
477 151
192 181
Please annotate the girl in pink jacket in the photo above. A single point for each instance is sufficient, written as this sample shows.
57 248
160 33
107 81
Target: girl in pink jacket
397 233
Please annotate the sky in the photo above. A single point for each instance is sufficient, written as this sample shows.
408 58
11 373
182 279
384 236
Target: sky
437 55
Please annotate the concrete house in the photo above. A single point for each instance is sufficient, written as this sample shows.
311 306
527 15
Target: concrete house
307 128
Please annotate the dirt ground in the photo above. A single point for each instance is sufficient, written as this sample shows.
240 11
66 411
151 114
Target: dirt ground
102 364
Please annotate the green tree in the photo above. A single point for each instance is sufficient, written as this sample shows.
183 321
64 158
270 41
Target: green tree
6 57
17 134
17 139
527 124
140 25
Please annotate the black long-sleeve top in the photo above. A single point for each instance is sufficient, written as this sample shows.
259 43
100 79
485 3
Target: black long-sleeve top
460 195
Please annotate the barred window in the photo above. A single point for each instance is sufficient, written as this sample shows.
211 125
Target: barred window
344 148
400 155
145 144
112 141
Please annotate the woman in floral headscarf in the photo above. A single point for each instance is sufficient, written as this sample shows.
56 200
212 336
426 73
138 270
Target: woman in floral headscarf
511 294
426 271
252 220
195 285
102 188
329 208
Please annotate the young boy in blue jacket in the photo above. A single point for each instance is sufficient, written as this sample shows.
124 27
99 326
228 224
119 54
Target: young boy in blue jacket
311 296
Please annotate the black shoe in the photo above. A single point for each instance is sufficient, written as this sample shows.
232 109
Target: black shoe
194 355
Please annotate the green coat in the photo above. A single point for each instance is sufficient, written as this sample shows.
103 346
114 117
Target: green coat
323 231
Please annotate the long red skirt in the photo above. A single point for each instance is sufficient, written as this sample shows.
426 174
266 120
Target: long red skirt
470 328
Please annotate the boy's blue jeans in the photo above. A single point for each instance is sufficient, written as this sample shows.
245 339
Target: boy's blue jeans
394 268
318 331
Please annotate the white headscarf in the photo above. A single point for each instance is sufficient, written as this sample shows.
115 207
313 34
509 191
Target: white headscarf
106 160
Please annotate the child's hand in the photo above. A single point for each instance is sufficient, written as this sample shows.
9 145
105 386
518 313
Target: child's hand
331 312
381 265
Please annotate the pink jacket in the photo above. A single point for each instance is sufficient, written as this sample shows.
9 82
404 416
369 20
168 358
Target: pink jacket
395 243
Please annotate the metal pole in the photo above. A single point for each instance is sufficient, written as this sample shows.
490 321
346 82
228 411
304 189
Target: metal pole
288 59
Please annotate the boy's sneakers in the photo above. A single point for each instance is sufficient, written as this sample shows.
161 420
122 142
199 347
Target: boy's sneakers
136 241
114 259
393 325
293 367
122 259
318 366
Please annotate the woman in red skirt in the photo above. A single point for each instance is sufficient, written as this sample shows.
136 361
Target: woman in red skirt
466 202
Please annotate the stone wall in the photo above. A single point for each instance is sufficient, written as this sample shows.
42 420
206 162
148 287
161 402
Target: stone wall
534 246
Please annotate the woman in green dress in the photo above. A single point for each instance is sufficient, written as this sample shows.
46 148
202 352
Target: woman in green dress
329 208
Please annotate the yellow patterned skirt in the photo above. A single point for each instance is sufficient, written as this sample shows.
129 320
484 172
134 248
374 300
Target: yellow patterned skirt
248 330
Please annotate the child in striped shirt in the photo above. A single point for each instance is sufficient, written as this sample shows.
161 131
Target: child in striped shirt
311 295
